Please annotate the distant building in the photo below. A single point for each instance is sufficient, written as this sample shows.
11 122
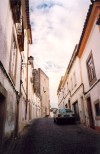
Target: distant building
71 88
60 93
41 86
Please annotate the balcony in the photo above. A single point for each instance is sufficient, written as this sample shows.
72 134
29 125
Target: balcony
16 9
20 35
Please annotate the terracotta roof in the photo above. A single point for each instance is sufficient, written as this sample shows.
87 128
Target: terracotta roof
72 58
85 26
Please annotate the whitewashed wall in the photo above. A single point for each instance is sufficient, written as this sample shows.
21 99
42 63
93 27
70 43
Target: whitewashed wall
6 30
61 98
76 92
93 44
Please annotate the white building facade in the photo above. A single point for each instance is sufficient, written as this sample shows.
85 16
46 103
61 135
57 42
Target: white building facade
15 37
89 54
10 64
81 86
71 88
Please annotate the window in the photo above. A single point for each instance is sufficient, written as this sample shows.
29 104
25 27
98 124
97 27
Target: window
97 108
74 79
91 69
69 104
13 60
67 86
71 84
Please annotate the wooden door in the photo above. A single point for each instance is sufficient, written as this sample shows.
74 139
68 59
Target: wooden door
90 114
76 111
2 116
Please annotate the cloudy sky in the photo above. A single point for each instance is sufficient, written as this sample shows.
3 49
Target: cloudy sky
56 29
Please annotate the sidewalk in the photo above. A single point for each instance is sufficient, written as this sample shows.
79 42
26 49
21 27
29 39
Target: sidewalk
89 129
15 144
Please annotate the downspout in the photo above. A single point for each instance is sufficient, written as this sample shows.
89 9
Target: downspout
18 96
27 80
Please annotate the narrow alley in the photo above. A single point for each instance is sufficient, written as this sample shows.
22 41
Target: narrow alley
43 136
49 68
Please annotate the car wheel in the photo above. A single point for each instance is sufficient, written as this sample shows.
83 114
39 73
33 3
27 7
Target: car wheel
73 121
57 121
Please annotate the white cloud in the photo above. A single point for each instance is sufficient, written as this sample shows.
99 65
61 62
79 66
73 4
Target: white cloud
56 29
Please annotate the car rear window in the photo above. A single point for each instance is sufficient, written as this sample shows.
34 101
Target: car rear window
64 110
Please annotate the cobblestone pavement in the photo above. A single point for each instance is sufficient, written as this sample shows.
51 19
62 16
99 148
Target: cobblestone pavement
45 137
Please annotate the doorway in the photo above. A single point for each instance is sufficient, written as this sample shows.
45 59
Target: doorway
2 116
69 104
90 114
17 119
83 111
76 111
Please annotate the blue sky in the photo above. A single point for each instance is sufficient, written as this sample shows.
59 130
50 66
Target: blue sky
56 29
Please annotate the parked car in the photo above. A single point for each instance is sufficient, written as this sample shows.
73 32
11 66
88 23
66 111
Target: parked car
64 115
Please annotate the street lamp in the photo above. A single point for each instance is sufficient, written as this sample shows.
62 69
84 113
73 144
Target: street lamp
98 22
92 1
29 61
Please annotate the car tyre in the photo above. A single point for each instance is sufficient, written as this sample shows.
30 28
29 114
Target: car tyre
57 121
54 120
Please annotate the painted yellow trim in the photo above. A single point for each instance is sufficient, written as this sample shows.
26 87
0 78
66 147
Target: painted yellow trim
94 14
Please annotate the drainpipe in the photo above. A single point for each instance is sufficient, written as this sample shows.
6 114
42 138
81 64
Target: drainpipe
17 114
27 81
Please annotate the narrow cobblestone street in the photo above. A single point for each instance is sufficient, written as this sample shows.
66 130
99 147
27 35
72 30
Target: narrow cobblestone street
49 68
43 136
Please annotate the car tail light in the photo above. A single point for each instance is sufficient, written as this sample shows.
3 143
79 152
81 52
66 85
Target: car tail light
59 115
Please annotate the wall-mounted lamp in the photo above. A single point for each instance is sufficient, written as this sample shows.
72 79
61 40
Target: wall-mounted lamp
30 61
98 22
92 1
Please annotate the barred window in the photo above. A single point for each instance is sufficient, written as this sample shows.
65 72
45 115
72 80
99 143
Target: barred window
74 79
91 69
71 82
13 59
97 109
